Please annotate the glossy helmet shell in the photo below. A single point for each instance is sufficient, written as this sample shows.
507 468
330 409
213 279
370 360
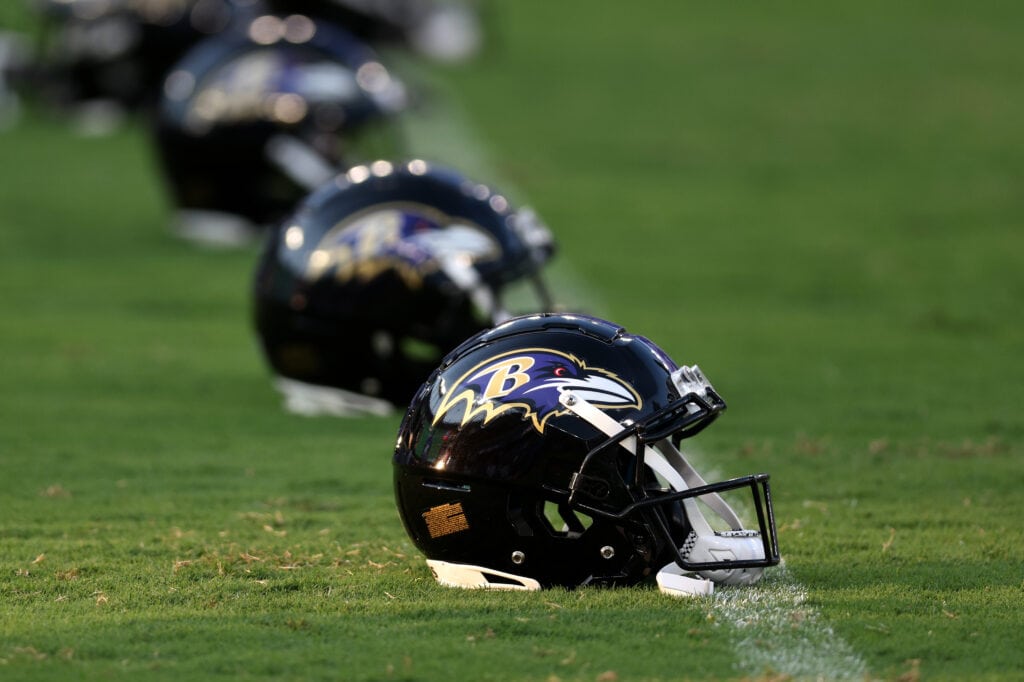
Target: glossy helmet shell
349 291
236 103
489 444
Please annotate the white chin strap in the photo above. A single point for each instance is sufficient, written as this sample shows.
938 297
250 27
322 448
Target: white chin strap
460 270
704 543
299 161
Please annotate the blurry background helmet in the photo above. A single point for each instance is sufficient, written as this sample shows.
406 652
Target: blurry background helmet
252 120
382 271
545 453
101 58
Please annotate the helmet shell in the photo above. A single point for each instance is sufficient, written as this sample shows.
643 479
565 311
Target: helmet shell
486 441
352 289
251 120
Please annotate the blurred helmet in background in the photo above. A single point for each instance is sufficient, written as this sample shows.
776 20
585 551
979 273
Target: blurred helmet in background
101 58
381 272
442 30
545 452
251 121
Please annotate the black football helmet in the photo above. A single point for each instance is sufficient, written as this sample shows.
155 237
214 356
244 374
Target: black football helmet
251 121
545 452
381 272
114 53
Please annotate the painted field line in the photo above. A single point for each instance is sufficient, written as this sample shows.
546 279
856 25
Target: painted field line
772 627
774 630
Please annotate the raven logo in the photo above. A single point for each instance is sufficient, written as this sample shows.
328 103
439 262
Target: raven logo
531 380
408 240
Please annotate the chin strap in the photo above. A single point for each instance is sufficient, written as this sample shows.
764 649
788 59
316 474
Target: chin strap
669 463
460 270
299 161
456 248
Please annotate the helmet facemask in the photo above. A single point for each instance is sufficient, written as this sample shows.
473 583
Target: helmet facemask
732 556
496 300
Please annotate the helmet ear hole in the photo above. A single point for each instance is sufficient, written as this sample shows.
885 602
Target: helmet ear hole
563 521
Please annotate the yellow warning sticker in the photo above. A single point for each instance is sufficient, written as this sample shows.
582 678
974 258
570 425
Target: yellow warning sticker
445 520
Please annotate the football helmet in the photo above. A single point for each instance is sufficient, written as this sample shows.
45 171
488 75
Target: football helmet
545 452
104 57
381 272
251 121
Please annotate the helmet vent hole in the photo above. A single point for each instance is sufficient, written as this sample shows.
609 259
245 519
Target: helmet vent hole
563 521
383 344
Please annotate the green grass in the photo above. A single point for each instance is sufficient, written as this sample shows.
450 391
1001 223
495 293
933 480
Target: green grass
821 206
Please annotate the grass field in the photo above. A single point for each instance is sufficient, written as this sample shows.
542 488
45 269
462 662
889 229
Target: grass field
823 206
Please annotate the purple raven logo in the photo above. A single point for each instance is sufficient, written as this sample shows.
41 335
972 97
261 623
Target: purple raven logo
531 380
410 241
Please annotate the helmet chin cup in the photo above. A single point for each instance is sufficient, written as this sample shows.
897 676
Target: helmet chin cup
726 546
730 545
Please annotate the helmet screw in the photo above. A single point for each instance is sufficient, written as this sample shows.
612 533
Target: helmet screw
518 557
607 552
571 400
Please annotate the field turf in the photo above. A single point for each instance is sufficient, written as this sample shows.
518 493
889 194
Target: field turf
820 205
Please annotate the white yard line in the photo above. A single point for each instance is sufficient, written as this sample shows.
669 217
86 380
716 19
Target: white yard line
773 628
